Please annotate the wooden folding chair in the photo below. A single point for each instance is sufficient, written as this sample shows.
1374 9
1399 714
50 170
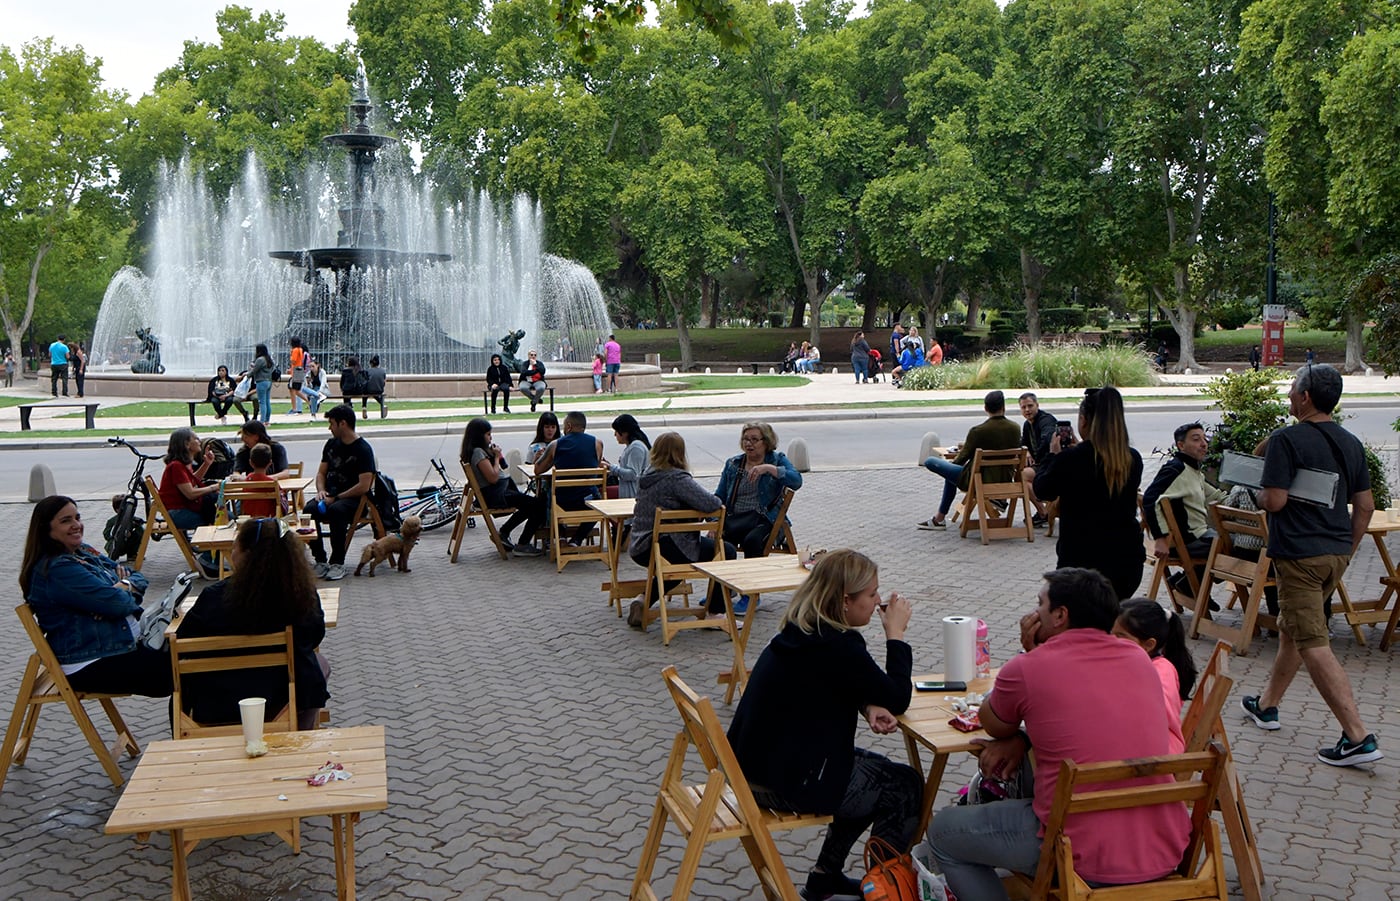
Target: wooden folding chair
722 807
780 540
660 571
996 476
366 514
45 683
562 522
1179 557
1085 789
1247 578
158 525
474 504
1203 723
225 653
293 469
236 493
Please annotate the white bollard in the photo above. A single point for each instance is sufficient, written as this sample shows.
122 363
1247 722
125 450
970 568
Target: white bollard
797 454
926 446
1370 371
707 370
1229 370
739 371
40 483
1186 371
513 460
675 371
772 371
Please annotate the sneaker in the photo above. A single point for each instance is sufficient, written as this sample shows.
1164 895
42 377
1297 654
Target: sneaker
527 550
999 505
507 544
741 606
210 570
634 614
1348 753
1039 521
320 569
335 572
933 525
1264 717
831 887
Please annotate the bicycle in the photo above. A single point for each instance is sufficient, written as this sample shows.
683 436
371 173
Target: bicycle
123 536
435 505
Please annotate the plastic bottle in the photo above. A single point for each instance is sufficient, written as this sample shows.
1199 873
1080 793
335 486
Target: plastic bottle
984 651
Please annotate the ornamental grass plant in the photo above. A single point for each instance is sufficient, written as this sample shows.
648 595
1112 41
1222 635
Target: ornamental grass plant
1043 366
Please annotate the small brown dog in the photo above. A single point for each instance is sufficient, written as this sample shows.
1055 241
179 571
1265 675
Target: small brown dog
376 552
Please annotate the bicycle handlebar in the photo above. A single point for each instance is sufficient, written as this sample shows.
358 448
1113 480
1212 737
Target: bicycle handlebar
122 442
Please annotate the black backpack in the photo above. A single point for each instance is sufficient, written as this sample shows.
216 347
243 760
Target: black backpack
385 497
224 457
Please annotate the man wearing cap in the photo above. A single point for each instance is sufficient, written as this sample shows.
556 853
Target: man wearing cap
612 362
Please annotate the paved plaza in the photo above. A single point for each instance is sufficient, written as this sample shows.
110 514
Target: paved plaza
528 726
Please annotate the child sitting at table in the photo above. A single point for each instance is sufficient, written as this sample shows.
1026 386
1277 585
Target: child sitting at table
260 508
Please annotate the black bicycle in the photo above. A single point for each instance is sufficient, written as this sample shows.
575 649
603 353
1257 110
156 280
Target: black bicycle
435 505
124 534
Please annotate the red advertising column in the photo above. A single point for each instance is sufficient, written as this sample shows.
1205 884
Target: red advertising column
1274 317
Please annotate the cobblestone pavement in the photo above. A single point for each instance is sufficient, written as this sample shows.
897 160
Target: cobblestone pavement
528 727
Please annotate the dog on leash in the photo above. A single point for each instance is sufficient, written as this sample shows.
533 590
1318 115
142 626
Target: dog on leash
376 552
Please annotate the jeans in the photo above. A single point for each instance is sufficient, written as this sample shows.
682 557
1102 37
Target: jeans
337 519
58 371
862 370
969 842
597 381
882 796
950 472
138 672
264 400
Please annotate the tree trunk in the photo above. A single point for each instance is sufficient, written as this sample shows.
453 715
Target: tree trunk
15 330
1355 326
682 330
799 310
974 306
1183 320
933 300
1033 274
709 296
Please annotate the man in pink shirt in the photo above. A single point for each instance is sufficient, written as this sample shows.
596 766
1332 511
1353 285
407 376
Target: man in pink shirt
1079 694
612 358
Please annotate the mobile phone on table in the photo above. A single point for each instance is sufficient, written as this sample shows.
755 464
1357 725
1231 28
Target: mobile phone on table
940 686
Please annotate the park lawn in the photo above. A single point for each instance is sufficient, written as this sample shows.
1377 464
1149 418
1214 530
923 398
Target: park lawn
9 401
1295 340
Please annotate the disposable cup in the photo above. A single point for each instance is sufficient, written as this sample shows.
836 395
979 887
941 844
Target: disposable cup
1393 514
252 710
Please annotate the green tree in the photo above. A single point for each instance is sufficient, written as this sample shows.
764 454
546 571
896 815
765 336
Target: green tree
57 127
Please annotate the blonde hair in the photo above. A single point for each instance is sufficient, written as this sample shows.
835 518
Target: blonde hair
821 599
765 431
668 452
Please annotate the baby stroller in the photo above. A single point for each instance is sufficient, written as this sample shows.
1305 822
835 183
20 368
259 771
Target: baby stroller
876 370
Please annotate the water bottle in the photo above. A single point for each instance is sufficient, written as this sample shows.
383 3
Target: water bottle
984 651
321 506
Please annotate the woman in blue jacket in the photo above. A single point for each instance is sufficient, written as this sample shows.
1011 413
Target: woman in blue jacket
88 606
751 488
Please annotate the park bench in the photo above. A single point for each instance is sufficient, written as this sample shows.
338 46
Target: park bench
195 403
364 400
26 409
486 399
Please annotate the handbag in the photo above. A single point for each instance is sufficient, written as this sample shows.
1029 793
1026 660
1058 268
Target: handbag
889 875
156 618
243 388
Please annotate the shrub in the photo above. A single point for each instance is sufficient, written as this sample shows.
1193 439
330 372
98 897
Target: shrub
1250 409
1101 318
1001 335
950 333
1062 320
1380 480
1013 320
1232 314
1067 366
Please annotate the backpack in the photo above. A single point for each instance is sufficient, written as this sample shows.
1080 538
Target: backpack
224 457
384 494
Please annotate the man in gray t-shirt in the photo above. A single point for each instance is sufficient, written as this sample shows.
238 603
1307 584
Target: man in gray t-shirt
1311 546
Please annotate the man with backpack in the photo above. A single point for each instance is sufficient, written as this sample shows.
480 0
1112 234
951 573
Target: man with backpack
347 471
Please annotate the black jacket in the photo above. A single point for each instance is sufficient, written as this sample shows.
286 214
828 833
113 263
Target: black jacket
795 730
1036 435
498 375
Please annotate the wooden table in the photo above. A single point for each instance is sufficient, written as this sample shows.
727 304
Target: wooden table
753 577
209 788
1376 610
616 512
219 539
925 724
295 486
330 606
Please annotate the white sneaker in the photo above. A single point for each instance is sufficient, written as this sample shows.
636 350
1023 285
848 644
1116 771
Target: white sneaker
319 569
335 572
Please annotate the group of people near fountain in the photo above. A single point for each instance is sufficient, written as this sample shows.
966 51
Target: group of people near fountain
307 384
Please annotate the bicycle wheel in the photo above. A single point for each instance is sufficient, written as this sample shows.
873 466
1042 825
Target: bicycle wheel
121 531
438 511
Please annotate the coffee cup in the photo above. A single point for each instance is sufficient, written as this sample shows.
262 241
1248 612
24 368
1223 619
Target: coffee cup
1393 514
252 710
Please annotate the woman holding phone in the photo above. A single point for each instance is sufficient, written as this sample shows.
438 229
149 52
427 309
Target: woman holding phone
794 729
1096 481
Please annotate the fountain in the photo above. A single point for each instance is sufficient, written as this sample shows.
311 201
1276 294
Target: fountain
220 280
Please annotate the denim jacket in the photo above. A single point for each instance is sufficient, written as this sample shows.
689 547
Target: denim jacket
770 489
80 608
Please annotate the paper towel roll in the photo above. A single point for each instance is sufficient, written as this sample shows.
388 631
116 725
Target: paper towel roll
959 648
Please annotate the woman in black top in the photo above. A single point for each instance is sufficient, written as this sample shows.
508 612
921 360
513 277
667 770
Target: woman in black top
1096 481
221 397
252 434
488 464
272 587
498 380
794 730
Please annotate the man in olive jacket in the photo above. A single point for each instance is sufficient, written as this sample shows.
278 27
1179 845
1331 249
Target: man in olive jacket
996 433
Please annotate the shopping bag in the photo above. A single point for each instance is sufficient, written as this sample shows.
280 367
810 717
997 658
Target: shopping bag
932 886
243 388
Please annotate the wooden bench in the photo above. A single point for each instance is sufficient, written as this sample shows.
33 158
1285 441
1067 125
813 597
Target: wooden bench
486 399
26 409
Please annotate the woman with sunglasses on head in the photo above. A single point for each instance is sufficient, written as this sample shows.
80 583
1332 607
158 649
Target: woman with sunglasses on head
795 727
272 587
88 606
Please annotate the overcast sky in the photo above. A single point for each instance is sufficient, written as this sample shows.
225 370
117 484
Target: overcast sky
137 40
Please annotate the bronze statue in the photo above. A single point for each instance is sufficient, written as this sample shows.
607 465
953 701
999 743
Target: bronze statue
510 345
150 346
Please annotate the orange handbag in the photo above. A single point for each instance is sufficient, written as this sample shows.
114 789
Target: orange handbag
889 874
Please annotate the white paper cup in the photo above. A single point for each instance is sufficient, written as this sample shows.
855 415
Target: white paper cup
1393 514
252 710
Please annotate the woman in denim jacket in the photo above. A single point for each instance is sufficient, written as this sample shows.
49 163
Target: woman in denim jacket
88 606
751 487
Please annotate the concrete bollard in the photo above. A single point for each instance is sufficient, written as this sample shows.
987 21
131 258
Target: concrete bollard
675 371
1370 371
513 460
797 454
40 483
739 370
707 370
1186 371
1229 370
652 360
926 446
835 370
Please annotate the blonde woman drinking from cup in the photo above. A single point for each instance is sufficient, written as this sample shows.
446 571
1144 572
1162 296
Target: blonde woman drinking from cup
794 730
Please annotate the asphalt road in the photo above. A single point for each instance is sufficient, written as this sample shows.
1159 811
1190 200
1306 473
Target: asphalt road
831 443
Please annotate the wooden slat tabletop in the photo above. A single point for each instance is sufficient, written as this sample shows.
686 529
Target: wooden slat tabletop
760 575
